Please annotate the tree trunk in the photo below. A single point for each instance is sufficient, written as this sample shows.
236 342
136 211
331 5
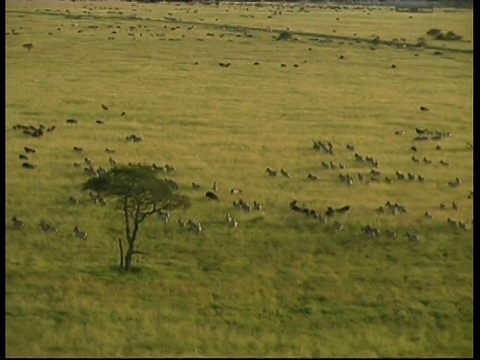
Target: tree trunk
128 259
121 252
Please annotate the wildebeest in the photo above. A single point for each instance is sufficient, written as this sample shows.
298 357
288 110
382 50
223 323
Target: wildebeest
211 195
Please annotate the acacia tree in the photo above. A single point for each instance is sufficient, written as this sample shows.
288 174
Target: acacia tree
139 194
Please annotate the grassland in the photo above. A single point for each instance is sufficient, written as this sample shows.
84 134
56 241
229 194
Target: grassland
280 284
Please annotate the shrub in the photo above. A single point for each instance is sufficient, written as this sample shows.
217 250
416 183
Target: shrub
284 35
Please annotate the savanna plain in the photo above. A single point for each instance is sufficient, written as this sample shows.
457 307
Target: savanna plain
346 100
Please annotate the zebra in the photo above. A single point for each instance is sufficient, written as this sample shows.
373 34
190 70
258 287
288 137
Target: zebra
455 183
196 186
412 237
17 224
271 172
72 201
82 235
428 216
284 173
392 233
48 228
164 216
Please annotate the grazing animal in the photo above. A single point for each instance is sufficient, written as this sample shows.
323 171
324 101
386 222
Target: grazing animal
370 231
236 191
257 206
350 147
112 162
455 183
389 180
444 163
100 122
293 205
110 151
423 108
133 138
312 177
215 186
231 220
322 219
27 165
28 46
171 184
72 201
78 149
17 224
196 186
71 121
343 210
284 173
271 172
50 229
428 216
338 226
212 196
82 235
224 64
182 223
391 233
23 157
330 212
104 107
462 226
412 237
452 223
29 150
164 216
244 206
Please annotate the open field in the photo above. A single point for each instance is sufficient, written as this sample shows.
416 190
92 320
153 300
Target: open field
281 283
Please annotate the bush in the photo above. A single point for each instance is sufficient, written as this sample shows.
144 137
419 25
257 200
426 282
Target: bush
284 35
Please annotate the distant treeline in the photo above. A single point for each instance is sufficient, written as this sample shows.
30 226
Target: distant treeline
437 3
441 3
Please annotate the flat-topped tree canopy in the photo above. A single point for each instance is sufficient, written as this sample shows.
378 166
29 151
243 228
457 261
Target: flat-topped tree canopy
139 194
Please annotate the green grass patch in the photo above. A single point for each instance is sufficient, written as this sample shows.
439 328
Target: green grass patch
281 284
